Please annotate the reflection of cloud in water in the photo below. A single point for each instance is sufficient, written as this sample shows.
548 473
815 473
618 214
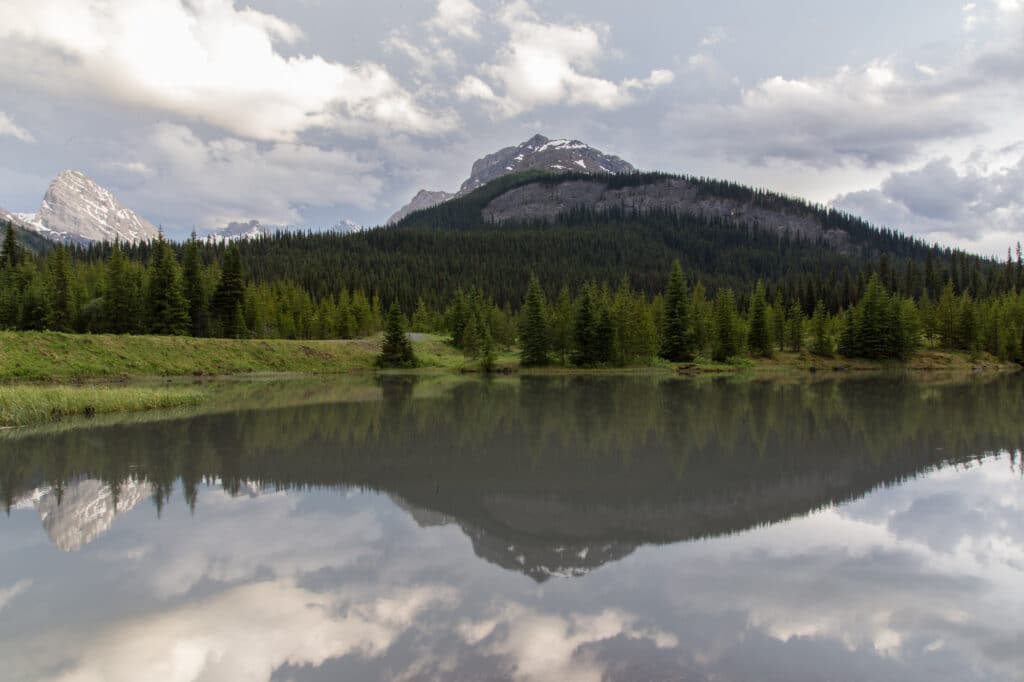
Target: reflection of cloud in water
542 646
248 632
863 588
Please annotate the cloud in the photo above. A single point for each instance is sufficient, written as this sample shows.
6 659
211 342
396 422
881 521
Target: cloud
8 127
457 18
248 632
7 594
205 61
936 200
544 646
223 179
544 64
870 115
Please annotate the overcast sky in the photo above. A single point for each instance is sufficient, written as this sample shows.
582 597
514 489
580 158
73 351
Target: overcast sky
198 112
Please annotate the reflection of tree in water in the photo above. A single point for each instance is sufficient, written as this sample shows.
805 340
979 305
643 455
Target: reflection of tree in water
570 463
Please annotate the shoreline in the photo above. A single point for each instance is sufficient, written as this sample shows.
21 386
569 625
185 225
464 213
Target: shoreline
48 376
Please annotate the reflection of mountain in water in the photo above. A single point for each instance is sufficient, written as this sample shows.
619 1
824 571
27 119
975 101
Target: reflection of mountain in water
83 510
555 477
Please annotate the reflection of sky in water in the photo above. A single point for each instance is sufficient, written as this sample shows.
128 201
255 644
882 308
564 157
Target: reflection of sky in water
920 581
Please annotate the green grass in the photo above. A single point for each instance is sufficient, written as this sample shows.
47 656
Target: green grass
50 356
22 405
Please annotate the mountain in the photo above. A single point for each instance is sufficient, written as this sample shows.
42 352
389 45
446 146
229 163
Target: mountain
254 229
536 154
77 210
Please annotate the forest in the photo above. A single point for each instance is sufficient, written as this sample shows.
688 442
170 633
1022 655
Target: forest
214 290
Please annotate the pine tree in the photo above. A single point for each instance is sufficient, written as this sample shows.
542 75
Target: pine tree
795 328
193 285
227 299
120 297
585 330
62 306
534 334
421 320
166 306
758 340
396 350
946 314
677 334
11 255
561 323
779 321
820 342
873 338
726 344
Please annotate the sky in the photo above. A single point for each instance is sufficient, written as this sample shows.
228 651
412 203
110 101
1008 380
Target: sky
196 113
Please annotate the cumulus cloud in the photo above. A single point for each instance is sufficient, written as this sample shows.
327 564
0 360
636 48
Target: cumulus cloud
544 63
247 633
8 127
457 18
937 200
206 61
870 115
225 179
545 646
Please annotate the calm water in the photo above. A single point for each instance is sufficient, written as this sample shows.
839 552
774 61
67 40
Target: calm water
533 529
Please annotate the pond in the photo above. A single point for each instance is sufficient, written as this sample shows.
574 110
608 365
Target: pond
533 528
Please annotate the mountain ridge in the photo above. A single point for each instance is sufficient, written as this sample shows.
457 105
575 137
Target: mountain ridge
539 153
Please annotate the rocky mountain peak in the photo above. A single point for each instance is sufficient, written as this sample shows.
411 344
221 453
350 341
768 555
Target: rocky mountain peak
537 153
77 209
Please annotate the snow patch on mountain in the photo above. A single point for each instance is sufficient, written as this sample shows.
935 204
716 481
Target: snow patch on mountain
537 153
254 229
77 210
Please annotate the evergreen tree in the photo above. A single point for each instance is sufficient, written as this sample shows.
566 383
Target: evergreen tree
758 340
11 254
946 314
778 319
227 299
396 350
62 306
166 306
820 342
676 333
726 344
533 334
421 319
561 319
585 330
193 284
795 328
873 338
120 297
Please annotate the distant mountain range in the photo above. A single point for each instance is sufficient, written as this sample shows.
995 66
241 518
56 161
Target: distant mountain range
78 210
254 229
536 154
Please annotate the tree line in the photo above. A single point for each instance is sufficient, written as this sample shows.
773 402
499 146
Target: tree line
182 290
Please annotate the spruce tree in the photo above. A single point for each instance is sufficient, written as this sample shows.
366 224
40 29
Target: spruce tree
227 299
795 328
726 345
585 330
396 350
11 255
193 283
677 334
119 298
561 319
533 334
820 342
758 340
62 306
166 306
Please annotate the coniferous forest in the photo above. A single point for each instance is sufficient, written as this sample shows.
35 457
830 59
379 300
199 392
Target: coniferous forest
608 289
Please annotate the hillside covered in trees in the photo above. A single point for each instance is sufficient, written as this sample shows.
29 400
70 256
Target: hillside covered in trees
754 272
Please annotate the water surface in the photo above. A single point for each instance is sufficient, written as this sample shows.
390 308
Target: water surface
525 529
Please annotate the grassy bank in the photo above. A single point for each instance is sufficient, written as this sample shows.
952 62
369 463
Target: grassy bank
32 404
49 356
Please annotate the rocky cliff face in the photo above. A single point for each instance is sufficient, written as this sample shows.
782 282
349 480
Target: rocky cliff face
537 153
76 209
537 201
